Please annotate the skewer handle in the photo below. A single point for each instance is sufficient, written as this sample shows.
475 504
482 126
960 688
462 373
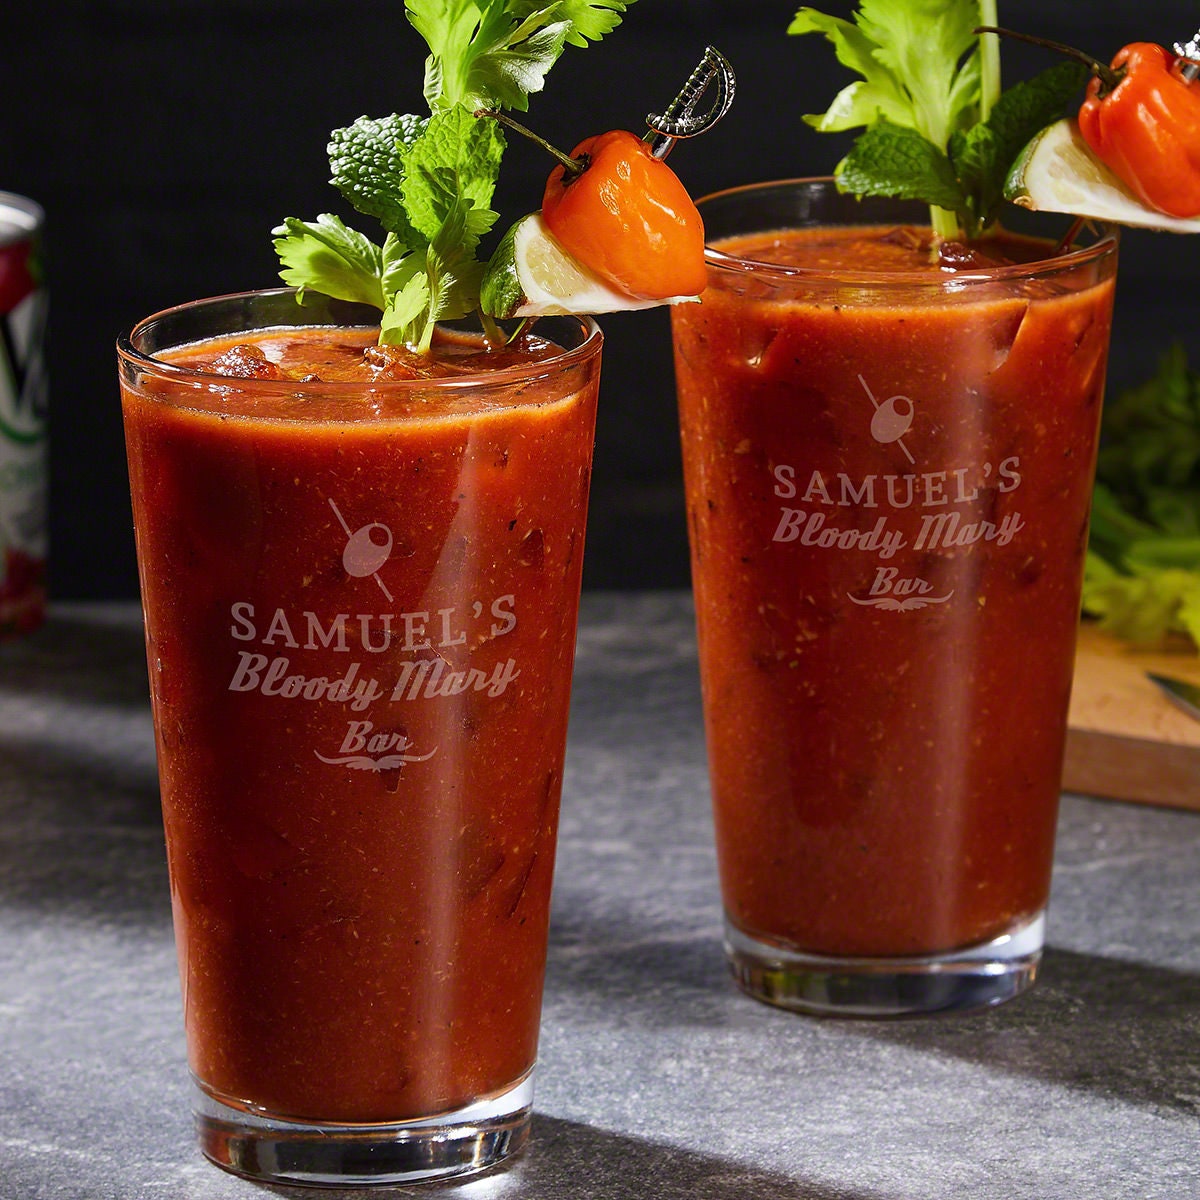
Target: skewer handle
1189 54
681 120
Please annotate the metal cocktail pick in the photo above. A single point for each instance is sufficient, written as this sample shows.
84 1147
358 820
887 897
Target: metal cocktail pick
680 120
1190 69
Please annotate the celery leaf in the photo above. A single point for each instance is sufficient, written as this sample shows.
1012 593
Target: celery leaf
917 59
929 47
495 53
921 65
326 256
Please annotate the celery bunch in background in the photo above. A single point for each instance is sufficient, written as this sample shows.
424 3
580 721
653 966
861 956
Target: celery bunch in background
1143 563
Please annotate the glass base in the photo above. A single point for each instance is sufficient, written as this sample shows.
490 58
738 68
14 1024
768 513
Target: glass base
330 1155
958 981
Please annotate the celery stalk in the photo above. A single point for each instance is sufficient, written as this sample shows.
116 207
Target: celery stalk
944 223
989 60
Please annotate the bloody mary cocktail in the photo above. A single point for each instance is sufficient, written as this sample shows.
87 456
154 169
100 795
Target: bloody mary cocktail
360 572
888 463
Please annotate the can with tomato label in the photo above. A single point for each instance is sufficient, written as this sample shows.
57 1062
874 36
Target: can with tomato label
24 462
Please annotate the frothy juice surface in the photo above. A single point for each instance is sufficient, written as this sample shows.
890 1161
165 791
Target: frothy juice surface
360 628
888 497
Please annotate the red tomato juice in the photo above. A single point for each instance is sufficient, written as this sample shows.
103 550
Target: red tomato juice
360 614
888 496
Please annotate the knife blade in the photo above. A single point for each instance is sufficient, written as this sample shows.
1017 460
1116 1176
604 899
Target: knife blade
1180 692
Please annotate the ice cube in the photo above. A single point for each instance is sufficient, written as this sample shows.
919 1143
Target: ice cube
246 362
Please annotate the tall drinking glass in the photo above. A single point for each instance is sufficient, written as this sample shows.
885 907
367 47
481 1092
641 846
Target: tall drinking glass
360 603
888 466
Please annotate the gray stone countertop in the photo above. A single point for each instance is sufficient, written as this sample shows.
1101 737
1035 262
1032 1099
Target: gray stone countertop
657 1079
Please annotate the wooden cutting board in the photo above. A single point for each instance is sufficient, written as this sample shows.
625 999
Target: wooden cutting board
1126 740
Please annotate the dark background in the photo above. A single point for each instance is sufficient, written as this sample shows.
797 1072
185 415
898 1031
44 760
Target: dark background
165 138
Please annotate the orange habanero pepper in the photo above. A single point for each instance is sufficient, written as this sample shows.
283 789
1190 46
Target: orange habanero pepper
1142 120
627 217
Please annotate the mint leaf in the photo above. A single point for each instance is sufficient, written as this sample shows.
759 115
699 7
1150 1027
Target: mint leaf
1026 108
430 183
983 154
367 163
892 160
327 257
456 159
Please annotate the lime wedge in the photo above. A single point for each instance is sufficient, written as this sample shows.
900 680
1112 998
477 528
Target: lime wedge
531 275
1057 172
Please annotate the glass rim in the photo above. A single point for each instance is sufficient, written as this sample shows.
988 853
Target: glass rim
128 352
1107 239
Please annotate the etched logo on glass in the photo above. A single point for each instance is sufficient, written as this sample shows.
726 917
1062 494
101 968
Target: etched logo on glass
892 420
946 505
371 676
367 549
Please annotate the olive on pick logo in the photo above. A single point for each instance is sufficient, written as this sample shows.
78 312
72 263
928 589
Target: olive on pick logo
364 555
892 419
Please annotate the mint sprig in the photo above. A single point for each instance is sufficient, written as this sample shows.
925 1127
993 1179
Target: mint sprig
429 180
934 130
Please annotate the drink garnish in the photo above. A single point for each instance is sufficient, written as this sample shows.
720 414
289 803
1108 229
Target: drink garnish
429 180
937 127
532 275
1059 172
628 217
1132 154
617 230
1141 118
1143 105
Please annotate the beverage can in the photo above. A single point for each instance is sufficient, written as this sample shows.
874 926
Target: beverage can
24 457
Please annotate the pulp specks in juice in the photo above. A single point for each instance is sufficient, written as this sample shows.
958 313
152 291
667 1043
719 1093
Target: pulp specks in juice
888 493
360 622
